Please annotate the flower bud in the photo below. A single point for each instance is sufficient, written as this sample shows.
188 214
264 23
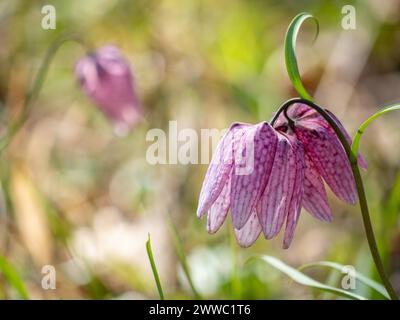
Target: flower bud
105 76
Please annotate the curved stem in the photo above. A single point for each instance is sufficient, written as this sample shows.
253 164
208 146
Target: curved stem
366 123
37 84
359 185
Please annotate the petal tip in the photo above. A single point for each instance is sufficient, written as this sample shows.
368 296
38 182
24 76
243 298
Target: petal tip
239 220
244 245
285 245
353 200
200 213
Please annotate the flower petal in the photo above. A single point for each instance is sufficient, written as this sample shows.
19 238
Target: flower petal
111 60
361 160
315 200
218 211
219 169
106 78
250 232
295 202
329 158
86 73
296 112
249 177
317 119
302 112
274 203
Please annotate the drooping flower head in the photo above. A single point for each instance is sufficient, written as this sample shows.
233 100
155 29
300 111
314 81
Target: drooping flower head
105 76
265 174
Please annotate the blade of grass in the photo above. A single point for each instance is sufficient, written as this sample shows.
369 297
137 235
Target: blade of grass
11 275
360 277
154 268
332 279
182 257
303 279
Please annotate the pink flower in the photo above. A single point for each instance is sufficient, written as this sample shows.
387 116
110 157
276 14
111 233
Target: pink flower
106 78
266 174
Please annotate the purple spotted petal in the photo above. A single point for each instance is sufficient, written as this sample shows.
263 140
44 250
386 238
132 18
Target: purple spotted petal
301 115
253 158
361 160
329 158
274 203
296 112
250 232
219 169
301 112
320 121
295 202
219 209
315 200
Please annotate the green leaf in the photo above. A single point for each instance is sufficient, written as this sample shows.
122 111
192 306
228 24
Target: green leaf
290 52
360 277
182 257
366 123
305 280
154 269
11 275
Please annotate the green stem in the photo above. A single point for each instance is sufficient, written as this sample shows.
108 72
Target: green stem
182 257
366 123
154 268
236 284
359 185
35 88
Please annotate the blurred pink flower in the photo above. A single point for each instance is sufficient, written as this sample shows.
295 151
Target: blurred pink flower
287 168
106 78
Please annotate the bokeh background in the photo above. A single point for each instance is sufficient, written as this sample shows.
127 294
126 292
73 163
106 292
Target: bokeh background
77 197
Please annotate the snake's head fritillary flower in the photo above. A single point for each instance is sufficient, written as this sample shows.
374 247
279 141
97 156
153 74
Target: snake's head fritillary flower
106 77
264 175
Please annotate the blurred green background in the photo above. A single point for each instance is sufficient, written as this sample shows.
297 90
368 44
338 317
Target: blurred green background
75 196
